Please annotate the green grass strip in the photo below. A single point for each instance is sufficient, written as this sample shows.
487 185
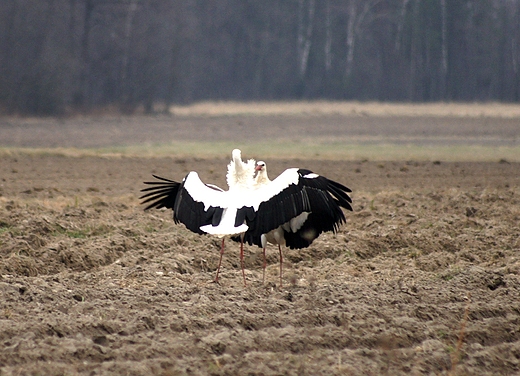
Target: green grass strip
300 150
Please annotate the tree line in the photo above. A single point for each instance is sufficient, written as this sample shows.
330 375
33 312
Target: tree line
62 55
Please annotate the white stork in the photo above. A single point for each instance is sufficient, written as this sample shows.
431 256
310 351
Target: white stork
207 208
294 209
319 200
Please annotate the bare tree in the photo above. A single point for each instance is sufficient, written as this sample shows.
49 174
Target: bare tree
359 12
305 27
444 48
400 24
328 37
126 99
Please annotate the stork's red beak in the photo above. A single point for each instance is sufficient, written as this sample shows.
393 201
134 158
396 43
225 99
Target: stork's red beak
258 167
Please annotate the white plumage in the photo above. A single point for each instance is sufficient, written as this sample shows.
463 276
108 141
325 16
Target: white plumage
240 174
240 181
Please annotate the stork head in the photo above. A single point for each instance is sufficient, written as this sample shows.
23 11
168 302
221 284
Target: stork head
260 166
261 173
236 155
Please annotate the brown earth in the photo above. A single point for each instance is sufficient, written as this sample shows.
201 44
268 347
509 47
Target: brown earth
423 278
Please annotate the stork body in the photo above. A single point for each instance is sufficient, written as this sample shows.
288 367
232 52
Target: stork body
206 208
291 210
319 210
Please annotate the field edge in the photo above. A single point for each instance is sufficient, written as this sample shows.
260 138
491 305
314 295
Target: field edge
292 150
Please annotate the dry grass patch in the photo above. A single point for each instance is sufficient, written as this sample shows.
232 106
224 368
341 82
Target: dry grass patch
318 108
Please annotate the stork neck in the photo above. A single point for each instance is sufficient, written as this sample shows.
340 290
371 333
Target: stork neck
262 178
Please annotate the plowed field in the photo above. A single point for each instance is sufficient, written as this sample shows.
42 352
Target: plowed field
423 279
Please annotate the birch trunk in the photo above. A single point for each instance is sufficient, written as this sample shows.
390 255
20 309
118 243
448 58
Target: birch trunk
400 25
84 87
132 7
351 37
328 38
444 52
305 34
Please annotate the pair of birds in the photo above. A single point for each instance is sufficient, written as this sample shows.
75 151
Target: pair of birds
291 210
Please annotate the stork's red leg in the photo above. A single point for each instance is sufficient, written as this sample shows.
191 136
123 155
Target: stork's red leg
220 260
263 266
242 260
281 263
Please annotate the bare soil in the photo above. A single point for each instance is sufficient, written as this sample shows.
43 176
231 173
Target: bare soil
423 279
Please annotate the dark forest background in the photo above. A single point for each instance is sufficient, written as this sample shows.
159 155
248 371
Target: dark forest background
65 55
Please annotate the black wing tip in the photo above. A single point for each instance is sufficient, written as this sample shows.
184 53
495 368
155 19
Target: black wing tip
340 193
339 186
161 194
164 182
163 179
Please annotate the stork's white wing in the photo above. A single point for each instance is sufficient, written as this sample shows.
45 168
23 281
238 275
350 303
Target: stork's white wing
267 191
200 192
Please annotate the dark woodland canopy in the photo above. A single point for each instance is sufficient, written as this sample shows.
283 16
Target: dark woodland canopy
65 54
